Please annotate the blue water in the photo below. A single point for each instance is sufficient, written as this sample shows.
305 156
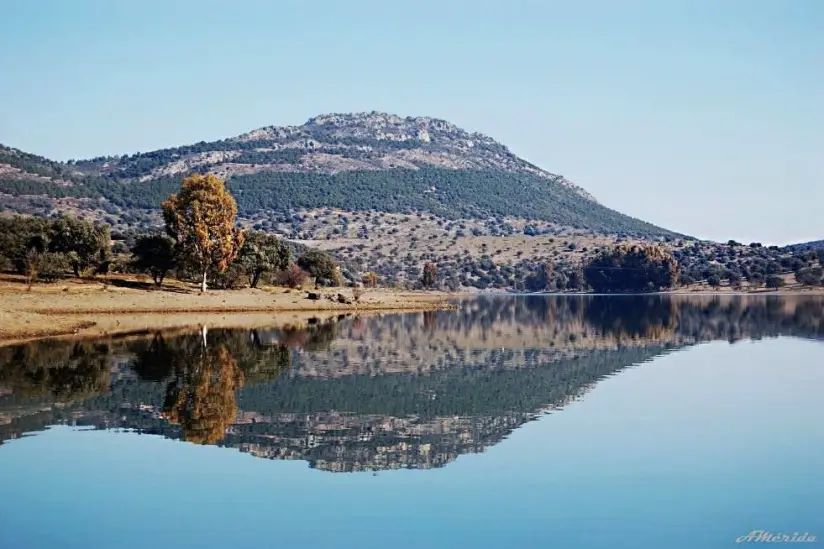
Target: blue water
690 449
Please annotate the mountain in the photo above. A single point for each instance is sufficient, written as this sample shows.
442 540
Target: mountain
353 162
814 245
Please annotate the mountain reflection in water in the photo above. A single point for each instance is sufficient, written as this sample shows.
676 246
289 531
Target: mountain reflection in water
376 392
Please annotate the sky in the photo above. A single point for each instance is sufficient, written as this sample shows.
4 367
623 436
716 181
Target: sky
705 116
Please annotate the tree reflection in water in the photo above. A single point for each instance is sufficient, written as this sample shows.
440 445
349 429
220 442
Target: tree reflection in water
201 396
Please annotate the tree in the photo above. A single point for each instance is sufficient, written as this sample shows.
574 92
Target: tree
714 281
370 279
540 280
575 278
632 268
320 265
756 279
263 253
774 281
19 236
809 276
430 275
84 244
154 254
201 220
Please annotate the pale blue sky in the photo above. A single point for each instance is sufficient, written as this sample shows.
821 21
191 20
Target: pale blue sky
705 117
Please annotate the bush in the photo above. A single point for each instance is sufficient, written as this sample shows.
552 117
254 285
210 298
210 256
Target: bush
51 266
774 281
714 281
233 278
293 277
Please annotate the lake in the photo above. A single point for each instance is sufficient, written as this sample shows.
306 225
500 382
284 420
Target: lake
524 422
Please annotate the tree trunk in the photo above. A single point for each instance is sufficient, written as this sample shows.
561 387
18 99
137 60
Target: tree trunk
256 279
203 283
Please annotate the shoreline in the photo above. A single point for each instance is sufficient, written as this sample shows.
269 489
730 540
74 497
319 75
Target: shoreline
90 308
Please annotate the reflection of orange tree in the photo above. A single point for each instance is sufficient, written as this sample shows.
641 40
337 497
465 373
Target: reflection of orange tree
201 398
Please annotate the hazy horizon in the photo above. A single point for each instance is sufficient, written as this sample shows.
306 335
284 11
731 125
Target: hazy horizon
702 117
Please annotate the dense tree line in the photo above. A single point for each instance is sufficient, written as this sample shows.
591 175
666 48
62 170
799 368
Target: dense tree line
457 194
49 248
632 269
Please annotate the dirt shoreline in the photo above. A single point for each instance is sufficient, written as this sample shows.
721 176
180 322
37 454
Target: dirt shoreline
84 309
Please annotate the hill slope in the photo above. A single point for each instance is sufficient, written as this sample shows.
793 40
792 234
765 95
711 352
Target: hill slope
353 162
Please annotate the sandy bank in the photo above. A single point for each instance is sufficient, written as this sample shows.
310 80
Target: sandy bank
91 308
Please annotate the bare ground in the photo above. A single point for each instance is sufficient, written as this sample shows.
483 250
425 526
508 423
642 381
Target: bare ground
124 305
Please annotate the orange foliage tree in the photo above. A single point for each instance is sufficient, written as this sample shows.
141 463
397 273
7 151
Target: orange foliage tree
201 220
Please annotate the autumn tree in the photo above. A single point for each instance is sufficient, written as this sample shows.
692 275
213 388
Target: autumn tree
154 254
263 253
201 220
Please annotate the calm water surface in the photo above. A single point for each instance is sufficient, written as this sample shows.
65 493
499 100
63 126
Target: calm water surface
637 422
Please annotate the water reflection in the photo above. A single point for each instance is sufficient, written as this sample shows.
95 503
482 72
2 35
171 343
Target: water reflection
371 393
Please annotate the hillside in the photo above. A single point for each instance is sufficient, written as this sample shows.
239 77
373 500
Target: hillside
354 162
815 245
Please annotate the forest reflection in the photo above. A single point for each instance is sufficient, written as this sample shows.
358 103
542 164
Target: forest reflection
372 392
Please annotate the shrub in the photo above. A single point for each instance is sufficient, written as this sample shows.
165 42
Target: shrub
293 277
233 278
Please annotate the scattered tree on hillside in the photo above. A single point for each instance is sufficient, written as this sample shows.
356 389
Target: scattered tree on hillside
632 269
201 220
154 254
263 253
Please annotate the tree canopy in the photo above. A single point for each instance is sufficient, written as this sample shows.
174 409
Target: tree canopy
154 254
263 253
201 220
320 265
632 269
